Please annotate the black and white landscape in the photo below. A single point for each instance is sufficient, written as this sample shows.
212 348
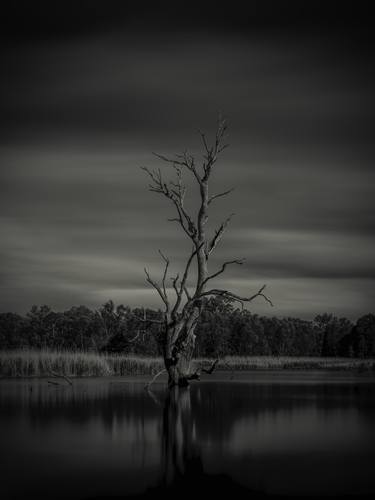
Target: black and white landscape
186 261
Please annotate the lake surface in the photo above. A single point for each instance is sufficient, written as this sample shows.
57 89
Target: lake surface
280 433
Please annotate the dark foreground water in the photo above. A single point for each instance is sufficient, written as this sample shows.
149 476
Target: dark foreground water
280 433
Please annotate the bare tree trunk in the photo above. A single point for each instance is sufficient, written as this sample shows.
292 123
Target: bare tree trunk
179 367
179 351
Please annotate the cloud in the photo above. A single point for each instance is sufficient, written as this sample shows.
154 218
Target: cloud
81 114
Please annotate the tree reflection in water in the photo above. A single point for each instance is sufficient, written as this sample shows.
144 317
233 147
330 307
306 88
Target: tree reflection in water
109 437
183 472
181 454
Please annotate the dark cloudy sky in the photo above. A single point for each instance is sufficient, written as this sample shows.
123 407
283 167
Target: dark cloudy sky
90 89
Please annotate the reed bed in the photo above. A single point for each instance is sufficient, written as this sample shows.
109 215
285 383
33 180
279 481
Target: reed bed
293 363
43 363
33 363
133 365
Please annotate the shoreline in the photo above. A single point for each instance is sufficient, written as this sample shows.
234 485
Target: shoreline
45 363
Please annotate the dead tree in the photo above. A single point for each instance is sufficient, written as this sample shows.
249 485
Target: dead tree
181 314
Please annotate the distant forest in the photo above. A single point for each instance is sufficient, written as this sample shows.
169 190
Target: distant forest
222 330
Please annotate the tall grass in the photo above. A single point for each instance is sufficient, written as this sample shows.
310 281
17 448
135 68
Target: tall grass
34 363
292 363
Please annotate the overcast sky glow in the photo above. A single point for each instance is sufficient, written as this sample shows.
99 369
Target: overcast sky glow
84 105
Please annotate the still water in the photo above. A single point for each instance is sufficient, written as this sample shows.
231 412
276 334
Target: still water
280 433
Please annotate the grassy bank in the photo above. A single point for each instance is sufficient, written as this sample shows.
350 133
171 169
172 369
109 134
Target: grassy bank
35 363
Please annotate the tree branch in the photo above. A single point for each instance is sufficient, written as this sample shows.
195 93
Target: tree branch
153 283
218 235
182 160
176 194
210 370
135 336
219 195
182 286
213 151
212 276
166 260
188 296
226 293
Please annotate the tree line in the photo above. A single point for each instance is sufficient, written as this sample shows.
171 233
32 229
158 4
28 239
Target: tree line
222 330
